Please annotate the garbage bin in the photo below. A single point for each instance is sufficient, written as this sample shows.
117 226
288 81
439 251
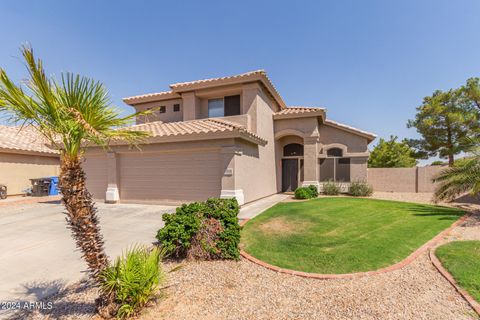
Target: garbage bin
40 187
53 191
3 191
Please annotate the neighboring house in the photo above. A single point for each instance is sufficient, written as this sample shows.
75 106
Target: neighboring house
225 137
24 155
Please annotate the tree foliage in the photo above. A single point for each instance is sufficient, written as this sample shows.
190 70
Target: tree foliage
463 177
446 121
391 154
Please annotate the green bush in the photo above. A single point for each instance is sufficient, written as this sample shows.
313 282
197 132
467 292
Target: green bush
360 189
202 230
330 188
313 190
302 193
133 279
306 192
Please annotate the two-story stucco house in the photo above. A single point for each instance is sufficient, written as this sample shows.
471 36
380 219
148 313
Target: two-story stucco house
226 137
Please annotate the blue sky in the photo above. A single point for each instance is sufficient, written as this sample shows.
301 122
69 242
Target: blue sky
369 63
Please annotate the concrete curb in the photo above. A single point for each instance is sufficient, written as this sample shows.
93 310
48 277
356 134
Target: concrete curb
399 265
465 295
29 200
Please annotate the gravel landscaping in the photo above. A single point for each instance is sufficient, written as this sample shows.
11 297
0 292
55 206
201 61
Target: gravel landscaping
243 290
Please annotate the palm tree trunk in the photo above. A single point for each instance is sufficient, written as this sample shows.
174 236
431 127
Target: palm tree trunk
83 222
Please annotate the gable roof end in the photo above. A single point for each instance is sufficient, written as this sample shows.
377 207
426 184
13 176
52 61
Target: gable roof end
370 136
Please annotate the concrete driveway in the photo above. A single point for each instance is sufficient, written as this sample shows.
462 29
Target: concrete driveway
38 255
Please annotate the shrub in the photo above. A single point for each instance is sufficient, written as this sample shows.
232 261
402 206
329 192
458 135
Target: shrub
306 192
313 190
133 279
202 230
360 189
302 193
331 188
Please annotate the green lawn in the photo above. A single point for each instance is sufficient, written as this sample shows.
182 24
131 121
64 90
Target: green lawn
462 260
342 235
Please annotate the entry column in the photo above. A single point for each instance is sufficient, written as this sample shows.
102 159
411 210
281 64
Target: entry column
112 195
310 161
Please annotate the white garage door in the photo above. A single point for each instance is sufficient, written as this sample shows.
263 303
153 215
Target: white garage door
169 176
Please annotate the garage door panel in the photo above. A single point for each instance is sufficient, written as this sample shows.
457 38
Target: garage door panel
95 167
170 176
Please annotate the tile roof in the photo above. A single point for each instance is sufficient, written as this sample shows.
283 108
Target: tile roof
25 139
151 97
299 112
195 129
257 75
369 135
237 76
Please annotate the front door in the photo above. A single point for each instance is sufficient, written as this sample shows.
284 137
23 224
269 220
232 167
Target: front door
289 174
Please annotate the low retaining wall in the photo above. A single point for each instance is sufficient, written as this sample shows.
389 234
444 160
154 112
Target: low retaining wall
416 179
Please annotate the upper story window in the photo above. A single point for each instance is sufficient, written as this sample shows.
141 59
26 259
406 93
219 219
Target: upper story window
176 107
223 107
162 109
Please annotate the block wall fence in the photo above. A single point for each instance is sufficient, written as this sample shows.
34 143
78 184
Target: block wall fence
416 179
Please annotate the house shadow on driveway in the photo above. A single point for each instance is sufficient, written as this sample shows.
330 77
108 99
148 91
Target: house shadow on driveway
52 300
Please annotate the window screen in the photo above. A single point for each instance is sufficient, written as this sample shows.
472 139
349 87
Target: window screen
163 109
176 107
343 170
232 105
327 169
215 108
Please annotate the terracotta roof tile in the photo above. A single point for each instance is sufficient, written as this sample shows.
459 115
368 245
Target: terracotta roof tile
195 128
23 139
300 110
151 97
237 76
257 75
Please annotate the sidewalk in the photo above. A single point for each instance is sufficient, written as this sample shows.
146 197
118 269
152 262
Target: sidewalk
254 208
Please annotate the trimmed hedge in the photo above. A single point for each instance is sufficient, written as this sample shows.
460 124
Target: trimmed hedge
202 230
306 192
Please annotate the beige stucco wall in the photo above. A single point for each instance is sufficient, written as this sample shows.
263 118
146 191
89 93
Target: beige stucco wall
255 168
416 179
17 169
354 143
168 116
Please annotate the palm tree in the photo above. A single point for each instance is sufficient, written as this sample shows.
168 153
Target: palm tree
70 114
461 178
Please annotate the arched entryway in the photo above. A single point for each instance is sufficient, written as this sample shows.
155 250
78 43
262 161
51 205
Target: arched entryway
292 166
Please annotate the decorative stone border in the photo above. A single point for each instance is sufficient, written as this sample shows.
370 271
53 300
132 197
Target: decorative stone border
465 295
396 266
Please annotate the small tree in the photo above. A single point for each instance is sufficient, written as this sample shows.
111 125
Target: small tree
471 91
70 113
391 154
445 121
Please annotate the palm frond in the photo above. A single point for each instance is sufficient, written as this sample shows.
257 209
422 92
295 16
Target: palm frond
71 113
